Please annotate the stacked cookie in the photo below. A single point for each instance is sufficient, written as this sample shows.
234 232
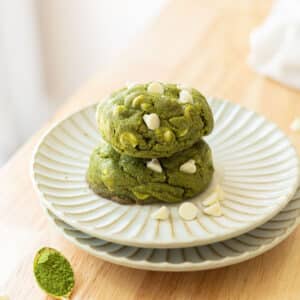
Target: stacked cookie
152 148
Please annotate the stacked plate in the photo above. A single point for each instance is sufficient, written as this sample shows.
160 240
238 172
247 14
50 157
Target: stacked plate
256 166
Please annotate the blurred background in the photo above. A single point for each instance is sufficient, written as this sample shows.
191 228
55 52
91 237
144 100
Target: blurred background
48 48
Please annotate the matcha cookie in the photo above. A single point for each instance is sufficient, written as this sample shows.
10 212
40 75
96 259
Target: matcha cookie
128 179
154 120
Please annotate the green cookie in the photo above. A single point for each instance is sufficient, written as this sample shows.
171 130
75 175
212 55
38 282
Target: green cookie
127 179
179 117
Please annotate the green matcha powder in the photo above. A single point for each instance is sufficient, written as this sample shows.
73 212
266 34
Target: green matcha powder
53 273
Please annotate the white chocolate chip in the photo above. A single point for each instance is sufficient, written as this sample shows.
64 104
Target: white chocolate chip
295 125
188 167
154 165
211 199
215 196
185 97
188 211
161 214
152 121
213 210
156 88
131 85
183 86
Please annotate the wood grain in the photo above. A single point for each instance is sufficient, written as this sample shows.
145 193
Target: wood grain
202 43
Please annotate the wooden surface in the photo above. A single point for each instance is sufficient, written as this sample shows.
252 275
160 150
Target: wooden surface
203 43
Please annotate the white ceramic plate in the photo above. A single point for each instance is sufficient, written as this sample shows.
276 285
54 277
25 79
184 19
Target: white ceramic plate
212 256
257 166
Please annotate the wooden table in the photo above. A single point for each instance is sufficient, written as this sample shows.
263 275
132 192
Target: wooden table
203 43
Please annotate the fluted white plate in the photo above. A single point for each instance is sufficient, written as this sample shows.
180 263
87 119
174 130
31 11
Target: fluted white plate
255 163
212 256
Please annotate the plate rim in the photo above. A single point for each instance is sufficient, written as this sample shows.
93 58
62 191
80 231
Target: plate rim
180 267
157 244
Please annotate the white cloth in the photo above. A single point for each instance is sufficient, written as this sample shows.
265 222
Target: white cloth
275 45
